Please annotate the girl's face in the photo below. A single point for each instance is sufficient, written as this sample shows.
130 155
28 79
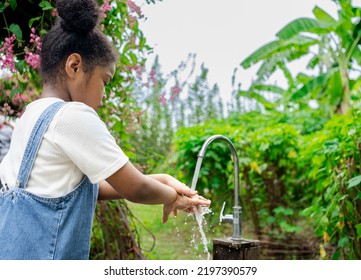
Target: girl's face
89 88
92 88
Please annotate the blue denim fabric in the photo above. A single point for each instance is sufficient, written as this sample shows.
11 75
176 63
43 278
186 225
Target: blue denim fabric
34 227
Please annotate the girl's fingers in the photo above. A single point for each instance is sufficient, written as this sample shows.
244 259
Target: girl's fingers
184 190
181 188
167 209
185 203
201 201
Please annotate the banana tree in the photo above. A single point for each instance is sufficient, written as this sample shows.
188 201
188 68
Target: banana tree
334 48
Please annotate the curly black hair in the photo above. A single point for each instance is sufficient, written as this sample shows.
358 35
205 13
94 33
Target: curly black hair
75 31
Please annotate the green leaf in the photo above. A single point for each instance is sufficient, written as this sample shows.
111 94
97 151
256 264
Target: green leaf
43 32
31 21
283 210
313 62
133 57
343 242
22 86
259 54
19 65
302 25
270 220
14 92
355 181
358 230
358 196
13 4
142 42
270 88
281 49
323 16
14 28
45 5
258 97
314 83
2 7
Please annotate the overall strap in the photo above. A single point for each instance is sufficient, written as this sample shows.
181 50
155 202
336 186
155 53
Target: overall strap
34 142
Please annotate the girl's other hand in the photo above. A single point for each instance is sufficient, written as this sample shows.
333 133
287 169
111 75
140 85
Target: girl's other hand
172 182
185 203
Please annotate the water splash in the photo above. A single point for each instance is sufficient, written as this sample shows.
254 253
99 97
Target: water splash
200 221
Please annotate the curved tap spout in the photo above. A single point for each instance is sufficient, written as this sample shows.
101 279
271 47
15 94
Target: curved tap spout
237 210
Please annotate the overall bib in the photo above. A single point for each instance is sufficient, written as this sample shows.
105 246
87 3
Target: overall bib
34 227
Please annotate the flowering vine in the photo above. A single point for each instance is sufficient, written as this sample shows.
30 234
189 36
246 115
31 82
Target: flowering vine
20 46
31 58
7 54
105 8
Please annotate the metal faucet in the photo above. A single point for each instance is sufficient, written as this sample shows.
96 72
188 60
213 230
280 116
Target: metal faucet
236 219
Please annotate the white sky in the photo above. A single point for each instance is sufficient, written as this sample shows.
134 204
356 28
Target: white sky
221 32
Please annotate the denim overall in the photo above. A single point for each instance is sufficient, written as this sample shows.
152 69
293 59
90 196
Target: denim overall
34 227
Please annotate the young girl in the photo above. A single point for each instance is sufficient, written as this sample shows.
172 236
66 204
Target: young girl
62 158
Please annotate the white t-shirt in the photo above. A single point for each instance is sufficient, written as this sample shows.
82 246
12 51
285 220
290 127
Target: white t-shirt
77 142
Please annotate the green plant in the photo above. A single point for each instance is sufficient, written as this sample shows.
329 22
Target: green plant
333 45
267 152
331 163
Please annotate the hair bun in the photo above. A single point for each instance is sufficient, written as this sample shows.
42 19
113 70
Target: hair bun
78 16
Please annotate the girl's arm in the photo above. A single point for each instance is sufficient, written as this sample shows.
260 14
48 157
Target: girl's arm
107 192
131 184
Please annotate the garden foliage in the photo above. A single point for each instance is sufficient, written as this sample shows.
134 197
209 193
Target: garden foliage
300 165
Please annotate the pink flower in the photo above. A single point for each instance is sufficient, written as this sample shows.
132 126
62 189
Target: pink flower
162 99
105 8
54 13
134 8
152 75
8 61
175 90
7 110
139 70
152 78
35 39
132 21
32 59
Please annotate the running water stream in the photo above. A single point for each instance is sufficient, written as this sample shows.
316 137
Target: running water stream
200 214
199 218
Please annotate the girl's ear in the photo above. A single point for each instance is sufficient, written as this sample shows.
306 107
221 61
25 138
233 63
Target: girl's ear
73 65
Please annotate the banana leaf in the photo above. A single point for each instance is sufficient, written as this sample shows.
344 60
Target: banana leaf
323 16
300 25
276 47
313 84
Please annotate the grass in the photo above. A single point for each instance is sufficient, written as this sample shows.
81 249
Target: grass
178 239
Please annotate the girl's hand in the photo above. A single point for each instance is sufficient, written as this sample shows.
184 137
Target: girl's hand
172 182
184 203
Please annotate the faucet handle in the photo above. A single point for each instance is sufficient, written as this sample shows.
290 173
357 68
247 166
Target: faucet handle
228 218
